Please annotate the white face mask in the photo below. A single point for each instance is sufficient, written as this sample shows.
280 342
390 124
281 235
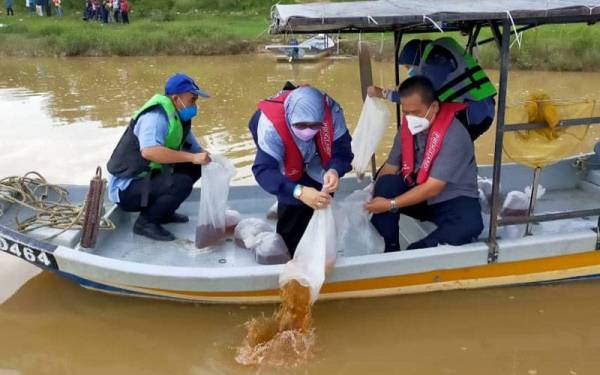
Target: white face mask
417 124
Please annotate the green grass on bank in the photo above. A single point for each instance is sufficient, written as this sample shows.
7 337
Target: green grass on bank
167 27
202 34
552 47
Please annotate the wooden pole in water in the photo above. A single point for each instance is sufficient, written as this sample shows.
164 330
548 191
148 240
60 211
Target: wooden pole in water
397 42
366 80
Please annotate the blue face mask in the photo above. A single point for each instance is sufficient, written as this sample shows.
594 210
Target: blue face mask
187 113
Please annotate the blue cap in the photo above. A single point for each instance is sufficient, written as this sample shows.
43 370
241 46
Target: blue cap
179 83
412 52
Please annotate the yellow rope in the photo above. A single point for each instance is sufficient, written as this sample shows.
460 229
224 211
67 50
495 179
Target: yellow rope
32 191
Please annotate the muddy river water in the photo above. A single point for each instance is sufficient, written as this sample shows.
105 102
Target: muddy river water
62 117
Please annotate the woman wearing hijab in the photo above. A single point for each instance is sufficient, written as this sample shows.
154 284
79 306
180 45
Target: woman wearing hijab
303 149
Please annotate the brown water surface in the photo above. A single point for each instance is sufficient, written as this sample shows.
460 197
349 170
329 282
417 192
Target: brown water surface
62 117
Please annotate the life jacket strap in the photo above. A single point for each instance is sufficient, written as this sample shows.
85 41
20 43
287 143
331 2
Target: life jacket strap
467 74
473 85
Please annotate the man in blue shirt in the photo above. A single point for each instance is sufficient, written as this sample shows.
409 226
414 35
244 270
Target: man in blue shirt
158 159
303 149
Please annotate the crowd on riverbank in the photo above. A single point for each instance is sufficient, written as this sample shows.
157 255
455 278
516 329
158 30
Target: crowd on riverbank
38 7
107 11
104 11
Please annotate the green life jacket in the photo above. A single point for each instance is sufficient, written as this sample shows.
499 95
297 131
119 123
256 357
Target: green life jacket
174 139
467 82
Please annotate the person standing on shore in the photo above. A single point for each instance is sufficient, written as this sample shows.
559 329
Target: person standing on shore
9 7
105 8
39 7
116 10
58 8
124 7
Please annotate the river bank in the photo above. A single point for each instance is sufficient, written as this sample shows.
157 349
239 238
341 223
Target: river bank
201 32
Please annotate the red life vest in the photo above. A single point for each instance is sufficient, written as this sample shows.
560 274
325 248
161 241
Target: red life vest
435 139
293 161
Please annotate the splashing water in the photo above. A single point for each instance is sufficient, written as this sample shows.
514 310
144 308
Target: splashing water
284 340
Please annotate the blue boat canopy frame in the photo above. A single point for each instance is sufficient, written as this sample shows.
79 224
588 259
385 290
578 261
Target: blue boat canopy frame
503 17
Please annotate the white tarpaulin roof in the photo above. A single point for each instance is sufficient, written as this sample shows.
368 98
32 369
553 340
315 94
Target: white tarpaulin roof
420 15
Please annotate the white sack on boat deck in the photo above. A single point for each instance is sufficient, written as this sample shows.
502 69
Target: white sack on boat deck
357 236
517 204
369 131
315 253
247 230
270 248
216 177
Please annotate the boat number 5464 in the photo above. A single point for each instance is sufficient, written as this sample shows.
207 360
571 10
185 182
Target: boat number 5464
23 252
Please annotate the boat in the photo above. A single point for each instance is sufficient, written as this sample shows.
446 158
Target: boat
563 226
312 49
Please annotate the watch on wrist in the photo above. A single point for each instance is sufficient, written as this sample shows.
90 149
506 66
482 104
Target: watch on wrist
297 191
393 205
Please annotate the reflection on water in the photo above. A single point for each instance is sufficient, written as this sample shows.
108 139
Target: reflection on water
64 116
54 327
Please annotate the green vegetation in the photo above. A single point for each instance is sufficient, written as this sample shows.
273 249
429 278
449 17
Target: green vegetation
168 27
205 27
204 34
553 47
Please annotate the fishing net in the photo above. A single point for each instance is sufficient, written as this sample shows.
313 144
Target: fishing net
538 148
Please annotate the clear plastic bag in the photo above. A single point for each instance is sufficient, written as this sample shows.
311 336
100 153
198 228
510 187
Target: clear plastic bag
369 131
216 177
247 229
232 219
270 248
272 213
357 235
315 254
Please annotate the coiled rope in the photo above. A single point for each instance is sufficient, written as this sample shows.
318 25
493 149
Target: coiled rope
32 191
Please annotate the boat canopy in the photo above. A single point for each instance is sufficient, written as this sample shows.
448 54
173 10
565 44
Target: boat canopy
417 16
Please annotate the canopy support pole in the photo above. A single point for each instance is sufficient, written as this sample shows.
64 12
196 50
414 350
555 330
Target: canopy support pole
397 42
533 199
473 35
504 61
497 35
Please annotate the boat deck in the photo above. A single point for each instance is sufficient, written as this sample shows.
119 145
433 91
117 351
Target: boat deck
561 194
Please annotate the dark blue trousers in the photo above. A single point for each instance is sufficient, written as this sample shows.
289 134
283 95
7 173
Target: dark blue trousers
166 192
458 220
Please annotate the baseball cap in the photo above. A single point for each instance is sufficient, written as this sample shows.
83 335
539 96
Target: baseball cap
179 83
